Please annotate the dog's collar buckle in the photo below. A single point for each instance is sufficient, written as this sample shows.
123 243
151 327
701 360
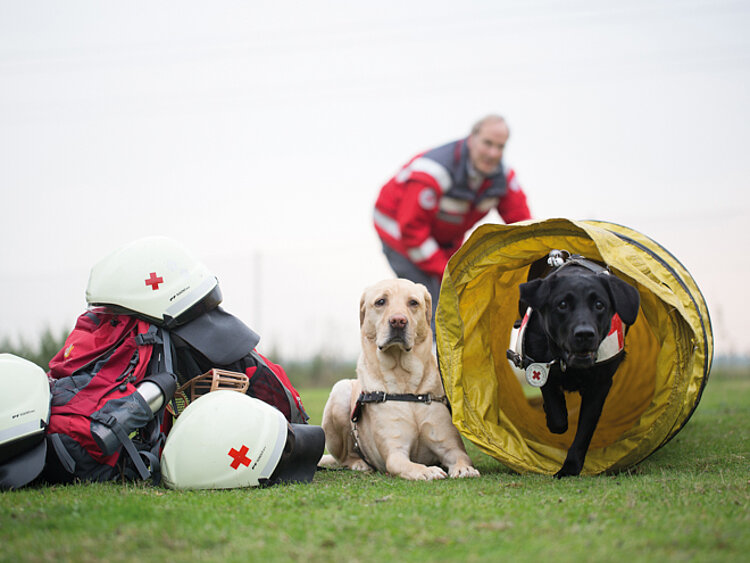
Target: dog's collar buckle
514 357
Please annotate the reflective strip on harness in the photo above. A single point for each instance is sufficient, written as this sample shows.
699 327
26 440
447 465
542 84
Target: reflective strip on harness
613 343
520 335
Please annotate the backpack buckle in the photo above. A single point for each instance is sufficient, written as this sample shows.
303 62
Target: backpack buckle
147 339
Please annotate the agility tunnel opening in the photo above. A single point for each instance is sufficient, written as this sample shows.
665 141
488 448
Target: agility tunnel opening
669 349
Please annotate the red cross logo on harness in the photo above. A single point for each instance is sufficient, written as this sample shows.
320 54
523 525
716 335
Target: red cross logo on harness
154 281
536 374
239 457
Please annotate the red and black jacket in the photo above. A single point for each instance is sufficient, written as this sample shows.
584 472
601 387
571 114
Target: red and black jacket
427 208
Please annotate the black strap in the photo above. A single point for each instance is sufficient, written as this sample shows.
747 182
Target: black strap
66 460
382 397
132 452
167 351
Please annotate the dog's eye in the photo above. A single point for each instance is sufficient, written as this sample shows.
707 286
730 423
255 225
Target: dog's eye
562 305
599 306
380 302
413 303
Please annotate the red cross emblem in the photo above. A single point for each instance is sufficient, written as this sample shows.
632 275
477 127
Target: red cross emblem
536 374
239 457
154 281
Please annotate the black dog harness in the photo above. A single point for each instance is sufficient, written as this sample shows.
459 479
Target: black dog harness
382 397
612 346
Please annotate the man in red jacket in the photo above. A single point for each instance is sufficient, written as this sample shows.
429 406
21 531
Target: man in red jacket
423 213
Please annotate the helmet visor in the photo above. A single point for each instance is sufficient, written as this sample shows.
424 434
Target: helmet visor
219 336
24 468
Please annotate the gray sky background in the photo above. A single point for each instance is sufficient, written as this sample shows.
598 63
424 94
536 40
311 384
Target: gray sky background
259 133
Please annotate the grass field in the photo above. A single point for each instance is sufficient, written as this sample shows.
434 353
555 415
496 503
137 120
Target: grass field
689 501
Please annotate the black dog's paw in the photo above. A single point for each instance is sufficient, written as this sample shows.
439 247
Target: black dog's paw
557 427
569 469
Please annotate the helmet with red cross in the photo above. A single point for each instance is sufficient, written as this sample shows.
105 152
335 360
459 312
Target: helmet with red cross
156 278
225 439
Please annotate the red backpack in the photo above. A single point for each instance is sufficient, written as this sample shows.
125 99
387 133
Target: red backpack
101 427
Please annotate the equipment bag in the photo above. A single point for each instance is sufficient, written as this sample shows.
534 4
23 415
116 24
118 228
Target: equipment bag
96 405
98 399
268 381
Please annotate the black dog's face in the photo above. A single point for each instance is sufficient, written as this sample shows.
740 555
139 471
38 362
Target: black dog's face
577 310
577 315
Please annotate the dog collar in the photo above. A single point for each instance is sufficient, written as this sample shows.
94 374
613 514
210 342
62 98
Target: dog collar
538 372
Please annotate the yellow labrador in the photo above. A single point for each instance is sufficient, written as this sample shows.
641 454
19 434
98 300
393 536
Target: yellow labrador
403 425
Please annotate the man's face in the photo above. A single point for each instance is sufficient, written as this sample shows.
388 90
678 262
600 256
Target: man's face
486 146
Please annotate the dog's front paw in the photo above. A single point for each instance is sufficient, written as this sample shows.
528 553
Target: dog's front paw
463 471
360 465
328 462
569 469
424 473
557 427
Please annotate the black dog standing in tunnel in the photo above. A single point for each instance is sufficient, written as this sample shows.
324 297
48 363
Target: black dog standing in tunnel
570 313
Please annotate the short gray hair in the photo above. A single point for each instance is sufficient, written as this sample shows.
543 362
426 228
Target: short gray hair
492 117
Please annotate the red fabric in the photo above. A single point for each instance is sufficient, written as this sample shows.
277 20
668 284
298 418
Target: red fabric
94 336
405 201
281 374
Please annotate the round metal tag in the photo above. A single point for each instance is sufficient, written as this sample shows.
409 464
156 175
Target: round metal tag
536 374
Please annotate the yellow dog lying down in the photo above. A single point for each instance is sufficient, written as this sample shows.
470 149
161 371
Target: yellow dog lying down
401 421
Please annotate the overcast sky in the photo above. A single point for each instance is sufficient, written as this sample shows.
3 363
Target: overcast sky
259 133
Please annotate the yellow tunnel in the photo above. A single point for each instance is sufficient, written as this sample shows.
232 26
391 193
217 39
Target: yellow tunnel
669 349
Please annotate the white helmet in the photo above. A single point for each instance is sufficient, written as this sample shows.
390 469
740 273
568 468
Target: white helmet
155 277
24 415
226 439
158 279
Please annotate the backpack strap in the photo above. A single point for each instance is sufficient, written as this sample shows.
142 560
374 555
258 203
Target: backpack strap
66 460
127 443
137 414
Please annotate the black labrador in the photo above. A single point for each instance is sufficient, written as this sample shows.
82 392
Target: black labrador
571 314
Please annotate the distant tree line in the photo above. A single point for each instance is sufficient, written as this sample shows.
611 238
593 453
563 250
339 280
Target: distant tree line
48 344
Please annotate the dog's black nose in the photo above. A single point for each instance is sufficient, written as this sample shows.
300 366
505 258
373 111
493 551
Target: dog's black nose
398 321
584 336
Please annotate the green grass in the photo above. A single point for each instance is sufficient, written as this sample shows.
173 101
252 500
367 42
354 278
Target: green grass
687 502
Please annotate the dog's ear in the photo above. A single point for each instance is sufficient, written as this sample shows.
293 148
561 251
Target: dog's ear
427 303
625 298
362 309
533 293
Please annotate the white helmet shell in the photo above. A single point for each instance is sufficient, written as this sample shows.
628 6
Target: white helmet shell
223 440
153 276
24 402
24 415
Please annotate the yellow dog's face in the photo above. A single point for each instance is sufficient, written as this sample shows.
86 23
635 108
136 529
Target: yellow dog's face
396 312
